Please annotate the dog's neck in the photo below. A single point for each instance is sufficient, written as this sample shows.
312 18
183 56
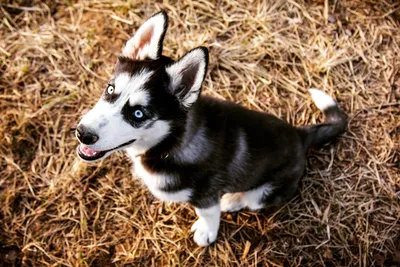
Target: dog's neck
180 137
168 146
163 149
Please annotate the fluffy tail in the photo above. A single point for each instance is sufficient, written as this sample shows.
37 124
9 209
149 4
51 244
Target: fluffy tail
334 124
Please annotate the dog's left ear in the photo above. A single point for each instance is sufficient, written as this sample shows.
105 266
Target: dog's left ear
148 40
187 75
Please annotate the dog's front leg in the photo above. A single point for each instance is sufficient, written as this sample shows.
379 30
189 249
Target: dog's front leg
206 227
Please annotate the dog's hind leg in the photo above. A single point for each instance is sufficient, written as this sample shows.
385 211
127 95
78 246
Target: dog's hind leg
232 202
253 199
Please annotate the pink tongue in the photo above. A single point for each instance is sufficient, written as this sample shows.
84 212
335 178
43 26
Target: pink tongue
87 151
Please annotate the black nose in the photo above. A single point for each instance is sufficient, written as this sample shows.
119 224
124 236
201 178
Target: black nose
85 136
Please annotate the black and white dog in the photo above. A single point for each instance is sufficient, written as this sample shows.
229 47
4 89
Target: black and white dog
186 147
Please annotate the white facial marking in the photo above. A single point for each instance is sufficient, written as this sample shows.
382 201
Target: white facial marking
121 82
206 227
132 87
155 183
107 121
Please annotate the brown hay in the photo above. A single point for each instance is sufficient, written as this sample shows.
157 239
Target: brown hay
55 59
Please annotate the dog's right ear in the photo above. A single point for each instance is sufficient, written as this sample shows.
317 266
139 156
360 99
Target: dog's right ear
148 40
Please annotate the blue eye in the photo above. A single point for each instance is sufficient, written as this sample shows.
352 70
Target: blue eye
138 114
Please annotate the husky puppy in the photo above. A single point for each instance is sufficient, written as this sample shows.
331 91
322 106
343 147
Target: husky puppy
186 147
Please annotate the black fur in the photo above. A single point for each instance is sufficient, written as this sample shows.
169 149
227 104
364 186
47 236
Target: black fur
276 150
161 40
334 125
128 114
276 153
211 147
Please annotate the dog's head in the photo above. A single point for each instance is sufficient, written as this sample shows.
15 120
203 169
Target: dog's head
145 98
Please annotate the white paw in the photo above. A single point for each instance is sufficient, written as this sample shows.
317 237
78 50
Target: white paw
232 202
204 235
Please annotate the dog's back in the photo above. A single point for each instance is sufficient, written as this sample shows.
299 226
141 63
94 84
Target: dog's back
234 149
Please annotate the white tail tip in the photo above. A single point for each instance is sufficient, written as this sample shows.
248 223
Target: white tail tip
321 99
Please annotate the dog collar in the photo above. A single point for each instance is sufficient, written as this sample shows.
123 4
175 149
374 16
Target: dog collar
162 156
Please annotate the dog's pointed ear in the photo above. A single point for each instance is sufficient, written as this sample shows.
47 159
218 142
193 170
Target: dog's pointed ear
148 40
187 75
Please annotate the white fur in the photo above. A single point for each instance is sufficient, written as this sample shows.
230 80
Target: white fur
207 225
252 199
155 182
177 70
138 47
147 138
121 82
106 119
321 99
130 87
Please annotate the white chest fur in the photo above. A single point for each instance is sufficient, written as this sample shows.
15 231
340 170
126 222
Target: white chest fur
155 183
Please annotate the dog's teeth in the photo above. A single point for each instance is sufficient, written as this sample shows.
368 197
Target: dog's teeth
88 151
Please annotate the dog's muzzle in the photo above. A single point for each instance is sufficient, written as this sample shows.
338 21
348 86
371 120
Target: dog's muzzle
89 154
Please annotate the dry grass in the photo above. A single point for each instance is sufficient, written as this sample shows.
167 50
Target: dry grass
58 211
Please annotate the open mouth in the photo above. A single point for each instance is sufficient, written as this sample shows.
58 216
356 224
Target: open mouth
89 154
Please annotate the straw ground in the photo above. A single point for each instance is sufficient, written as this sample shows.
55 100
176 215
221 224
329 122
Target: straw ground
56 57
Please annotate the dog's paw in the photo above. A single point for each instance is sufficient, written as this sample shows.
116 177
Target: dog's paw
232 202
204 235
